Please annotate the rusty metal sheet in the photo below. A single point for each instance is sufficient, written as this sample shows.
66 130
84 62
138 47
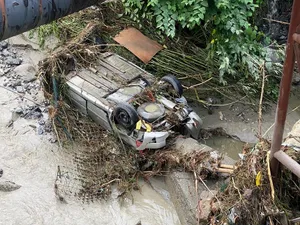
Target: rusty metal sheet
140 45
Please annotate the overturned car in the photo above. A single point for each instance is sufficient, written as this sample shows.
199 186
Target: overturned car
123 98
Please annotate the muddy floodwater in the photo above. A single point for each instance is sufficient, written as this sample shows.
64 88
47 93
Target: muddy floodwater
241 121
229 146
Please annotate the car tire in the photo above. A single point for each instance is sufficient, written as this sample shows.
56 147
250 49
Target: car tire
125 116
174 82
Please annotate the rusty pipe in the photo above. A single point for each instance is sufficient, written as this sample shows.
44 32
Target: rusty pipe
288 162
285 88
18 16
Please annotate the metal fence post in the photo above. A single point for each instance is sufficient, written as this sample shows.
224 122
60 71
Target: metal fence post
285 88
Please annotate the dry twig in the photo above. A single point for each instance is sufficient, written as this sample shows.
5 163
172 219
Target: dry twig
277 21
261 100
236 188
197 85
270 176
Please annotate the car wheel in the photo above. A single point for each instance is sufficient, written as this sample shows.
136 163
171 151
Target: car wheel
125 115
175 84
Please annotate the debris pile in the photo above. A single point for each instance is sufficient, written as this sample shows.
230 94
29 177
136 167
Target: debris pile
251 197
100 159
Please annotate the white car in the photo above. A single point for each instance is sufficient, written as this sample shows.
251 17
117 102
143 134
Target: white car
123 98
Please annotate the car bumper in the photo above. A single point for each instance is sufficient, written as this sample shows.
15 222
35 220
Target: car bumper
152 140
146 140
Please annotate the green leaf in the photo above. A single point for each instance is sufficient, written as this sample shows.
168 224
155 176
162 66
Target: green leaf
204 3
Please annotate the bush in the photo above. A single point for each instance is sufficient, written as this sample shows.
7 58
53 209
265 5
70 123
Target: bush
233 38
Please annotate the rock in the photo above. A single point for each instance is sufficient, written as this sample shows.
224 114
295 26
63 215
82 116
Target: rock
40 130
188 145
6 53
283 37
3 44
41 122
13 62
26 87
1 172
27 71
52 140
33 113
16 83
18 110
20 89
8 186
48 127
292 139
296 78
275 55
29 78
4 71
205 198
181 187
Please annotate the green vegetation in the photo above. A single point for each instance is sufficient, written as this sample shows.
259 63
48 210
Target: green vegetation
232 36
189 13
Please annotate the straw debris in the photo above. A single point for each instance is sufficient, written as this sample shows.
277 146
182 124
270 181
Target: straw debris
250 198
